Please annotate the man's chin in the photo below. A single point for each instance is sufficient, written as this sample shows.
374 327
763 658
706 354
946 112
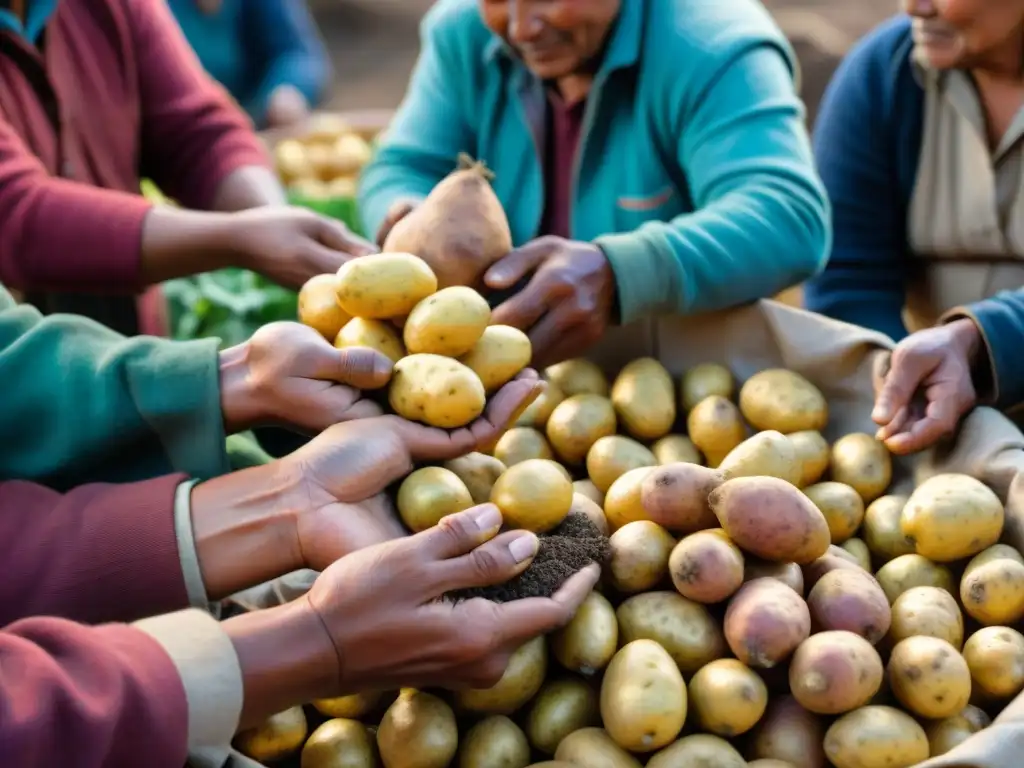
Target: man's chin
554 69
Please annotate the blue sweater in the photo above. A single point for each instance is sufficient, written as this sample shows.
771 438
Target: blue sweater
253 46
867 143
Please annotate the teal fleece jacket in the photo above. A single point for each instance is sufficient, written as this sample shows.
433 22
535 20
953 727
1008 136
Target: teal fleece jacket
695 174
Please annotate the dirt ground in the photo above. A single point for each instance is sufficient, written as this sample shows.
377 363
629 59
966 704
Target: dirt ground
374 42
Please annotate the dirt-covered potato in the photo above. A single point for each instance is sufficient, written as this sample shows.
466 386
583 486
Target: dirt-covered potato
449 322
690 634
715 426
842 507
784 401
375 334
577 423
863 463
435 390
765 622
876 737
706 567
835 672
929 677
384 285
727 697
644 399
584 505
613 456
499 355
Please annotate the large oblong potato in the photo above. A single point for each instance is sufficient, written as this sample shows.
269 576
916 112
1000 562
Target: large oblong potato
783 401
644 399
613 456
715 427
766 454
577 423
578 377
449 322
523 677
500 353
687 630
375 334
319 307
436 390
812 451
384 285
876 737
950 516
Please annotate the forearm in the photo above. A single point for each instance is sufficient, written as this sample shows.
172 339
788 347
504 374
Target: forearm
180 243
249 187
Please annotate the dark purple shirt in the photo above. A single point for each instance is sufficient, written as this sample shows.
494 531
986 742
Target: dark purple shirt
564 125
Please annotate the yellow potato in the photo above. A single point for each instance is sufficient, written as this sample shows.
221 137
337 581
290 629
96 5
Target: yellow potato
291 161
876 737
500 354
716 427
324 128
929 677
349 707
478 472
343 186
539 411
953 731
882 531
436 390
494 742
319 307
685 629
783 401
577 423
578 377
704 380
523 677
623 501
375 334
449 322
521 444
584 505
562 706
591 747
993 592
587 643
533 495
863 463
418 731
349 154
995 552
950 517
639 556
907 571
340 743
310 188
429 494
643 697
728 697
842 507
591 491
860 552
275 738
698 751
995 656
384 285
812 452
927 611
613 456
673 449
765 454
789 733
644 399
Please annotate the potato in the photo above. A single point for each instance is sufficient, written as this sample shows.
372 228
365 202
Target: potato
577 423
623 503
583 505
478 472
375 334
949 517
907 571
539 411
765 622
682 627
876 737
836 558
812 452
766 454
591 491
995 656
587 643
349 707
521 444
340 742
852 601
319 307
384 285
927 611
578 376
676 496
436 390
706 567
953 731
882 531
929 677
715 427
644 399
860 552
291 161
494 742
788 573
789 733
771 519
499 355
639 556
676 448
613 456
417 731
993 592
428 494
835 672
562 706
276 737
698 751
842 507
351 153
449 322
704 380
769 763
533 495
594 748
783 401
727 697
863 463
523 677
643 697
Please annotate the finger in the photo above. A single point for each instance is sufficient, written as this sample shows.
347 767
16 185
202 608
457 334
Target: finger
494 562
336 235
457 534
900 422
907 373
359 367
395 214
523 310
940 418
522 620
516 264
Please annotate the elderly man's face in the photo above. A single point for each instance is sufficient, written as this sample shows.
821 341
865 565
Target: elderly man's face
952 34
554 38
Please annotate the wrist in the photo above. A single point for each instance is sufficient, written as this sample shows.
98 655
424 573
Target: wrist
287 659
239 402
966 337
245 528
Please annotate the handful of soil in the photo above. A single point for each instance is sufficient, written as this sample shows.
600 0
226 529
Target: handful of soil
565 550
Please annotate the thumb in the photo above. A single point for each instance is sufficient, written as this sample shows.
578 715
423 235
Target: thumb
907 371
359 367
516 264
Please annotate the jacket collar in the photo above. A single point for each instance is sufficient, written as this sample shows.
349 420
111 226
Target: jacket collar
37 15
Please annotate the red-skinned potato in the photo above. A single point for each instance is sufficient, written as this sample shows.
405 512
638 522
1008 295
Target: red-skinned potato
765 622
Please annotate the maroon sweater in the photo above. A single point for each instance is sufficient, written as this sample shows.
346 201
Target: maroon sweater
116 94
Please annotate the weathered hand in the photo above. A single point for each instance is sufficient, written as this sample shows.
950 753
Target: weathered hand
567 304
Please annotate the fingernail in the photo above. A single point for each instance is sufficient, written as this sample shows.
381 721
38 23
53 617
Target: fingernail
383 366
524 547
487 517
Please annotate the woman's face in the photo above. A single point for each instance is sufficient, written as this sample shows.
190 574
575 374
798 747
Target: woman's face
951 34
554 38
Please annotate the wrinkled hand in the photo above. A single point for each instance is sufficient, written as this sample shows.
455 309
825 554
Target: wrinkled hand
291 245
396 212
289 374
925 387
286 106
355 461
567 303
381 610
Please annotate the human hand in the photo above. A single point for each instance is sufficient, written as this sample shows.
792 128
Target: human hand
290 245
288 374
567 303
924 387
286 106
396 212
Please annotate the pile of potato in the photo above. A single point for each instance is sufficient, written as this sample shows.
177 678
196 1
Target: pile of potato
325 162
765 601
